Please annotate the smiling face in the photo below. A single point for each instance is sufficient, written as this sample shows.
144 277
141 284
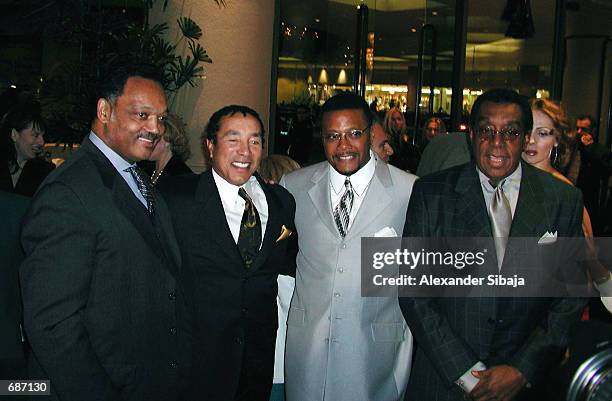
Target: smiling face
237 149
348 154
133 123
29 142
541 141
496 157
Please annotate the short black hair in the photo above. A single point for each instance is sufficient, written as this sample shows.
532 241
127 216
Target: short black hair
215 120
113 81
504 96
347 101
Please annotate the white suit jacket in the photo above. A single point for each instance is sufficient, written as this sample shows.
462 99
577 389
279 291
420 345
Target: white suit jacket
342 346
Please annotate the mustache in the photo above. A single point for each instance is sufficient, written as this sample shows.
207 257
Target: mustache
150 136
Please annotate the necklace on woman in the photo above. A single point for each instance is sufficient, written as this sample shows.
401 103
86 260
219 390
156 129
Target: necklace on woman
156 175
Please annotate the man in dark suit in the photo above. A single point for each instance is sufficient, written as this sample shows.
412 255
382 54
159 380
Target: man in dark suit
102 307
490 348
236 235
12 360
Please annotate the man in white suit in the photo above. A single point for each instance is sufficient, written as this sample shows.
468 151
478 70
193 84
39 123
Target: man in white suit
342 346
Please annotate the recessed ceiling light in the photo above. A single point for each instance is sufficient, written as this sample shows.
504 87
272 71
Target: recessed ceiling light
413 30
317 20
434 13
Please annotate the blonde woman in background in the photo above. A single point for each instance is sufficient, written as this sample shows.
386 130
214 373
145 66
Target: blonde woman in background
171 151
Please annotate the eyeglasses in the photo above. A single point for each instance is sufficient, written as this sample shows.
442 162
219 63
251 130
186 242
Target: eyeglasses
352 135
508 134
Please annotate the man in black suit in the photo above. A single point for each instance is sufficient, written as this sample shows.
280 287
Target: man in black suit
12 360
490 348
103 310
236 235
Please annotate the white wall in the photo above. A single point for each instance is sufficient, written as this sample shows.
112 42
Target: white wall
238 38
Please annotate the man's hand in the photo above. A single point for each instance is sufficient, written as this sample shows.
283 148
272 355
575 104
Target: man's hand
499 383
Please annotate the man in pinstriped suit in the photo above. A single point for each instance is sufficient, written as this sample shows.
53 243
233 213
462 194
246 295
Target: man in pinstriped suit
491 348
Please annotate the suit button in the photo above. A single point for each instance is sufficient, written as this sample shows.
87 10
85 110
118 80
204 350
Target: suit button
343 246
491 320
172 295
172 330
173 364
340 270
337 294
238 340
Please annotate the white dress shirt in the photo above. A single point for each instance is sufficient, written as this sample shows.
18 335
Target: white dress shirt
120 165
360 181
233 204
511 187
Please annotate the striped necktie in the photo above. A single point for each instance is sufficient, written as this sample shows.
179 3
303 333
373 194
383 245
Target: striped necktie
143 183
342 211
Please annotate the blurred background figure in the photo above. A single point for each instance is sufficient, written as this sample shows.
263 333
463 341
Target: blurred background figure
300 135
594 171
548 148
169 155
22 163
380 140
406 154
433 127
272 169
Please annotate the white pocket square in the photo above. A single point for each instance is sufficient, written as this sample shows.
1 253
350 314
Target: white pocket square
548 238
386 232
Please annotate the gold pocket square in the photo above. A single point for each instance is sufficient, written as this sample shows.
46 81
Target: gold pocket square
285 233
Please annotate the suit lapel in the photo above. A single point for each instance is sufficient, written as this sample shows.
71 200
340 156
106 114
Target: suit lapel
320 198
377 199
471 206
530 207
272 226
124 199
212 215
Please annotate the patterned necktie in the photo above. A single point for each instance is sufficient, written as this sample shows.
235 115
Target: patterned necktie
144 186
342 211
501 221
249 238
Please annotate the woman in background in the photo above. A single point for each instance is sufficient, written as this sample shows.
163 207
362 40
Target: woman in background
405 154
23 167
171 151
549 149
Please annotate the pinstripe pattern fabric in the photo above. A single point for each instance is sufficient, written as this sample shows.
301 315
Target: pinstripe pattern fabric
342 211
453 333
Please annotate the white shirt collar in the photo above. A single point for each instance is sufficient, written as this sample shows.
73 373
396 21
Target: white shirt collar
229 191
511 180
359 180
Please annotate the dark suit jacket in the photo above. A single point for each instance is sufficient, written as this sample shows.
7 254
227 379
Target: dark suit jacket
454 333
33 174
234 312
12 362
103 310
